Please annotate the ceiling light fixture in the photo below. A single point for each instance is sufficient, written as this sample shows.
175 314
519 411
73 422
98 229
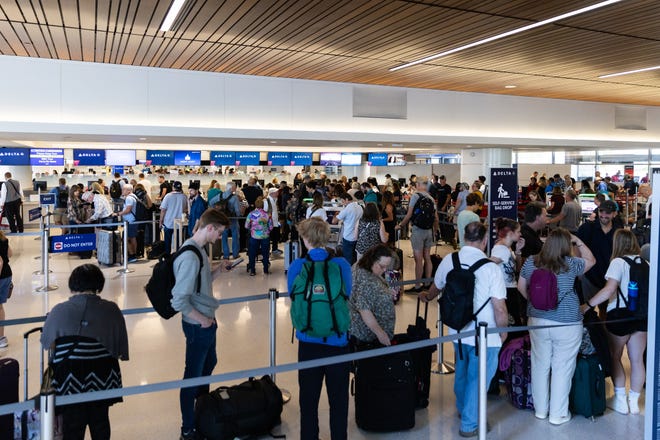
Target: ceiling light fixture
646 69
510 86
171 15
506 34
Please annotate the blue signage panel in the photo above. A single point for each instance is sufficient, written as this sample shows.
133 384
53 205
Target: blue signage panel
302 159
188 158
279 159
34 214
73 243
247 158
47 199
219 158
378 159
47 157
160 157
503 197
14 156
88 157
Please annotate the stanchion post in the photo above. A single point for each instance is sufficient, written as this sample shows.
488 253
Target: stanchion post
153 228
44 255
125 268
441 367
272 297
47 427
483 385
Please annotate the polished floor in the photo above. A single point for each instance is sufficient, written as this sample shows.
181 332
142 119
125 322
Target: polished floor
157 351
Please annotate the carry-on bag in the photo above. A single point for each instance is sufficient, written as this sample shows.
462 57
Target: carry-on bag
291 253
422 357
157 250
384 391
8 394
517 369
250 409
108 247
587 396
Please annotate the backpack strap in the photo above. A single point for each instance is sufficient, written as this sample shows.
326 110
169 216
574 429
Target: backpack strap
199 256
331 303
308 294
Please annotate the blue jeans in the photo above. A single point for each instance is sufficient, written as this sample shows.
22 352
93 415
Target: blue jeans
466 383
254 247
235 240
167 234
348 249
201 358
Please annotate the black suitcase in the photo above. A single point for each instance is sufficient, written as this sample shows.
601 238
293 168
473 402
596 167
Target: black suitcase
8 394
384 390
250 409
422 357
139 250
157 250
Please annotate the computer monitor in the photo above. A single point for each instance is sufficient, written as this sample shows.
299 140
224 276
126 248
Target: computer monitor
40 185
587 203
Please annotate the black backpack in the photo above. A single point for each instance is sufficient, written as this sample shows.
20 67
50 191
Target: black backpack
140 210
457 300
639 272
159 287
115 189
424 212
62 197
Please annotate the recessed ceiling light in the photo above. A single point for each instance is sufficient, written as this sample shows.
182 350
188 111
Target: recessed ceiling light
273 142
646 69
510 86
506 34
143 139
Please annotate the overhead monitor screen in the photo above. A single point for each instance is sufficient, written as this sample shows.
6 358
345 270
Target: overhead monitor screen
120 157
47 157
279 159
301 159
395 159
187 158
160 157
14 156
89 157
378 159
249 158
351 159
219 158
330 159
587 203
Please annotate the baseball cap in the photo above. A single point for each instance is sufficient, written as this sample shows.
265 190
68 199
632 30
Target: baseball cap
607 206
177 186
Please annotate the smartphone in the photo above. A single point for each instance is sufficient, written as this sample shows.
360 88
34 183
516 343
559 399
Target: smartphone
234 263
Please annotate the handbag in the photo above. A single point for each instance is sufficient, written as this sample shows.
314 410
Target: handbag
11 290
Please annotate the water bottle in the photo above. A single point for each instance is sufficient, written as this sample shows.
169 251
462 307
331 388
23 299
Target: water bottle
633 294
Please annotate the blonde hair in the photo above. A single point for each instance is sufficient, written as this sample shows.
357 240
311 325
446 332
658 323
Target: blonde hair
554 250
315 230
624 243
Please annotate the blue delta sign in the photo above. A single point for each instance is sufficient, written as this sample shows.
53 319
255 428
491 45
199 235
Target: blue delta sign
73 243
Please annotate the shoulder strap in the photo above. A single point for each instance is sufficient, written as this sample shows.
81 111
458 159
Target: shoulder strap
199 256
478 264
628 260
455 260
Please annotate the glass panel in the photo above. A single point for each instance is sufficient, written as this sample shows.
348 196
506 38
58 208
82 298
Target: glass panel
623 156
580 157
542 157
560 157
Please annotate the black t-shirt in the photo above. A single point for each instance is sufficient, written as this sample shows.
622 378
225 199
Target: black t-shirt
165 186
444 191
4 250
600 244
533 243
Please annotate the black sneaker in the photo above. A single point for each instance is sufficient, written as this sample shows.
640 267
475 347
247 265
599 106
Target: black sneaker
188 435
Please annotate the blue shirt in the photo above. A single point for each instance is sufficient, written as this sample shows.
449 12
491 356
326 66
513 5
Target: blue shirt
320 254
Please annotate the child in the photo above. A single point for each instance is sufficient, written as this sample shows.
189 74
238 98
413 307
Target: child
259 224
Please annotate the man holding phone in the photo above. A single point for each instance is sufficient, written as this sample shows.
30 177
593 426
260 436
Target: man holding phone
197 306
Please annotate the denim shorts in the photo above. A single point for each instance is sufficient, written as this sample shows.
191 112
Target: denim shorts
132 230
4 289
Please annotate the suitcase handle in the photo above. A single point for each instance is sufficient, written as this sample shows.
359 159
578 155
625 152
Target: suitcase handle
426 309
26 336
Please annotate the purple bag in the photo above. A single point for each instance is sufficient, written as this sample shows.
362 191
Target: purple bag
542 290
518 377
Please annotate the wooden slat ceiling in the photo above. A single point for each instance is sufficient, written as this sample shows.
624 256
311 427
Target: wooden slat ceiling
359 40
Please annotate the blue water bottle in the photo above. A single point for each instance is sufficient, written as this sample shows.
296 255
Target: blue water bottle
633 294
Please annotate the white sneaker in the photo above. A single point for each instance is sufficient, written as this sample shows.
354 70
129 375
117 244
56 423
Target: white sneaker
619 404
633 404
560 420
4 342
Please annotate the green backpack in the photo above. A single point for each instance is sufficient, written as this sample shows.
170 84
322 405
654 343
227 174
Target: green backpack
319 307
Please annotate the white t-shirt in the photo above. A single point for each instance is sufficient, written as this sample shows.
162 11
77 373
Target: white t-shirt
619 270
489 283
147 185
275 216
175 203
351 216
318 212
508 264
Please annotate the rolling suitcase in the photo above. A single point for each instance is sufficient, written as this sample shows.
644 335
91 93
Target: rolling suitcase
108 247
422 357
8 394
139 250
518 375
384 391
291 253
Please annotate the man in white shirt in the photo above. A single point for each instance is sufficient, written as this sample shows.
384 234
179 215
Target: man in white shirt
490 290
350 216
11 198
270 206
145 182
173 206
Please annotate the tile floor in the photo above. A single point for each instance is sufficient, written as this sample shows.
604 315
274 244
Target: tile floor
157 347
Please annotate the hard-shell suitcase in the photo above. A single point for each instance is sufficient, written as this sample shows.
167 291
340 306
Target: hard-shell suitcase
27 424
291 253
587 396
422 357
108 247
384 390
8 394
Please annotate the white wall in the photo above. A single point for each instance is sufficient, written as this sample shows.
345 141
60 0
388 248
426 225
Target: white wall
53 96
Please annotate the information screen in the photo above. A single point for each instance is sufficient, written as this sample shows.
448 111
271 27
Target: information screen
188 158
14 156
161 157
223 158
47 157
330 159
249 158
120 157
279 158
351 159
302 159
88 157
378 159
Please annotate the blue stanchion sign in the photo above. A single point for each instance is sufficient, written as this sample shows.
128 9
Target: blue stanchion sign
503 196
73 243
34 214
47 199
